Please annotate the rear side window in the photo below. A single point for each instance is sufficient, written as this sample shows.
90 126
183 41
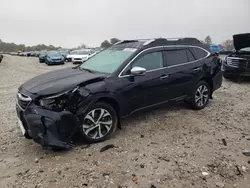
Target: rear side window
198 52
175 57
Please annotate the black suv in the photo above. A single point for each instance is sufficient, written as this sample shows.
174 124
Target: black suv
238 63
130 76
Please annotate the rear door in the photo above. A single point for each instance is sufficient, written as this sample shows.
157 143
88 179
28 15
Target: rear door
182 71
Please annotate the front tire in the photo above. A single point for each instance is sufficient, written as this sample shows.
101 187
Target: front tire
98 123
200 95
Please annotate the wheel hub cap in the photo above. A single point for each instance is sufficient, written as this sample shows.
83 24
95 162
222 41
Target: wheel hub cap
97 123
201 95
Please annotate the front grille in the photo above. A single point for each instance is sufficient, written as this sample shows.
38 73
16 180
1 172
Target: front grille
78 59
23 101
56 59
233 61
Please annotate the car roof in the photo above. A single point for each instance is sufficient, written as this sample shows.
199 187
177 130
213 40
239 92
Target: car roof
147 43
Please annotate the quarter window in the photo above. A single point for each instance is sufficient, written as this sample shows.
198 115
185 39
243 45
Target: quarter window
175 57
150 61
198 53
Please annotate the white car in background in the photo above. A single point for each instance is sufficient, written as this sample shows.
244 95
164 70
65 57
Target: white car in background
71 55
81 56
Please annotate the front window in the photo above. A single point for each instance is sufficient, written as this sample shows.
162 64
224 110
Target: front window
107 61
150 61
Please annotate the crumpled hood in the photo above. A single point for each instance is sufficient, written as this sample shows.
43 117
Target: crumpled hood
241 41
59 81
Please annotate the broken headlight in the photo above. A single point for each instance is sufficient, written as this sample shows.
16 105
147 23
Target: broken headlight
66 100
55 102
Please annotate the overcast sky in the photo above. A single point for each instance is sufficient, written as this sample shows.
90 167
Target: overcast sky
69 23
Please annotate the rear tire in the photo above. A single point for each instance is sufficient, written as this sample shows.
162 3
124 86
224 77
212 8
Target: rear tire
98 123
200 95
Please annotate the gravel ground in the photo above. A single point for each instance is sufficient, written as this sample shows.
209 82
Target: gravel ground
162 148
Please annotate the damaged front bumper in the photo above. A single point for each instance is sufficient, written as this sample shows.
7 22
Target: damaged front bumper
47 127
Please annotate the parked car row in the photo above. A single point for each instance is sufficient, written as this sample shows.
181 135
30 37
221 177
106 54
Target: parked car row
61 56
28 54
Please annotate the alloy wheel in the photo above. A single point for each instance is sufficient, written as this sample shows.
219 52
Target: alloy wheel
97 123
201 95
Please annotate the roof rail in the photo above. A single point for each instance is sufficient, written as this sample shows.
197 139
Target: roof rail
178 38
119 42
187 40
163 41
173 39
147 41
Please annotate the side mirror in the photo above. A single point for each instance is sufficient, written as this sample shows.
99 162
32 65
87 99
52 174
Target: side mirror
138 71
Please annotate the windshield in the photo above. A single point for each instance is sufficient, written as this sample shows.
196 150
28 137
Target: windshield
63 52
43 53
82 52
245 49
73 52
54 53
107 61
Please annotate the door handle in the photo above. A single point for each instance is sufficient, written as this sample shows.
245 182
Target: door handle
163 77
196 69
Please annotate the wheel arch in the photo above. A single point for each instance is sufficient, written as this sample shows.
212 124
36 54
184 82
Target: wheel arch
112 102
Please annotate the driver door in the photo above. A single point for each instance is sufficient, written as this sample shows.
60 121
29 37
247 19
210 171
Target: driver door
142 91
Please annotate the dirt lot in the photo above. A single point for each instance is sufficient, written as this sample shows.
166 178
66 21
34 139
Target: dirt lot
167 147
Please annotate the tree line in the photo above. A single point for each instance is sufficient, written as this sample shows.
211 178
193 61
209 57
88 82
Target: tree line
226 45
12 47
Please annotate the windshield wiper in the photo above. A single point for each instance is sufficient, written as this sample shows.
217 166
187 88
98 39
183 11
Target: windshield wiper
88 70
